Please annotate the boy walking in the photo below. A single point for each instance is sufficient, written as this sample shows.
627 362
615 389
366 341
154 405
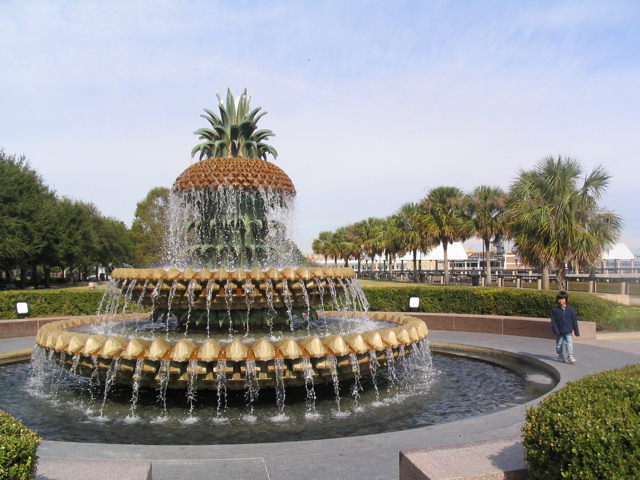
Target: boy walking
564 322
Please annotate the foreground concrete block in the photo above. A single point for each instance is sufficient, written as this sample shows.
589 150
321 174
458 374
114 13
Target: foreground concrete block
49 469
491 460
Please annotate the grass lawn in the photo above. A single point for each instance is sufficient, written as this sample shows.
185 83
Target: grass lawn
386 283
83 288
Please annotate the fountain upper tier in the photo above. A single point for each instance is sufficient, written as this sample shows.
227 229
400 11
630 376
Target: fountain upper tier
238 173
237 290
231 213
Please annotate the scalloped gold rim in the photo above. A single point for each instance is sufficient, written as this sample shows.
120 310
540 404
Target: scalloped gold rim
302 273
382 342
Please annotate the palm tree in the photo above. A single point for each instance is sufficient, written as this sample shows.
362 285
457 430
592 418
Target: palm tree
445 219
486 208
322 245
372 236
345 245
390 242
356 233
412 237
555 219
233 134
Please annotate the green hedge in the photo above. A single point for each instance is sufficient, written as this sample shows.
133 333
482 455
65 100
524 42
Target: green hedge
437 299
18 445
588 430
43 303
488 301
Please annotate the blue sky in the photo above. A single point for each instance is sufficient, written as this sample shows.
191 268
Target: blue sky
372 103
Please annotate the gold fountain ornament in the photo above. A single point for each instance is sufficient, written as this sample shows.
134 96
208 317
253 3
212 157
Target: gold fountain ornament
235 308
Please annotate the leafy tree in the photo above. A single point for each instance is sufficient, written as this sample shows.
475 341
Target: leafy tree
24 226
445 218
486 207
234 132
81 239
115 247
78 234
149 227
48 256
39 230
554 216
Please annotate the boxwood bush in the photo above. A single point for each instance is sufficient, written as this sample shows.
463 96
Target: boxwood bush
588 430
18 447
488 301
433 298
43 303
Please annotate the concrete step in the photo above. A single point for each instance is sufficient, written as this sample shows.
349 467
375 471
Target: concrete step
65 469
490 460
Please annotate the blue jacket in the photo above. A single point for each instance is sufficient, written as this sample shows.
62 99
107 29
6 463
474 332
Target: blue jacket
564 320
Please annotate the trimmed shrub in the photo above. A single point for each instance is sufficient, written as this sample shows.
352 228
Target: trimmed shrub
18 445
588 430
433 298
487 301
43 303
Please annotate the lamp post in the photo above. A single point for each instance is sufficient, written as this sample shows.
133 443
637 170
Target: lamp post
22 309
414 304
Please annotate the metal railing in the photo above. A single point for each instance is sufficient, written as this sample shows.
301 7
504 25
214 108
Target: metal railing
607 283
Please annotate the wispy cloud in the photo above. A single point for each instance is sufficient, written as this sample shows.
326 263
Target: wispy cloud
372 102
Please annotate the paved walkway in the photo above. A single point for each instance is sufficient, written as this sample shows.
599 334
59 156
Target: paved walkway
365 457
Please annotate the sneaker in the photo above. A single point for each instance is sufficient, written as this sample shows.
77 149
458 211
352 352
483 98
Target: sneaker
561 358
571 359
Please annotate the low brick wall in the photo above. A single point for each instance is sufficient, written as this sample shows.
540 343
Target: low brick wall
501 325
448 322
24 327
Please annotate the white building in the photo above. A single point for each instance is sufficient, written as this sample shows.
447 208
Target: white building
618 257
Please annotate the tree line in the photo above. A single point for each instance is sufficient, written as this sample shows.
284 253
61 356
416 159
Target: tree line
41 233
550 213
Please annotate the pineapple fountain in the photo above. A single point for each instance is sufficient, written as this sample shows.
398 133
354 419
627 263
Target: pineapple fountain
229 313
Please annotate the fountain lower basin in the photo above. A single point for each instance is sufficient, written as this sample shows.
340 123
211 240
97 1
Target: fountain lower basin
65 407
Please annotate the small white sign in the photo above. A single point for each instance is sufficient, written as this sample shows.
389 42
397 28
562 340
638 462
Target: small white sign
414 302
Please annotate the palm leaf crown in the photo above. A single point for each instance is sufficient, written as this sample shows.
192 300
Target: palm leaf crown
234 133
